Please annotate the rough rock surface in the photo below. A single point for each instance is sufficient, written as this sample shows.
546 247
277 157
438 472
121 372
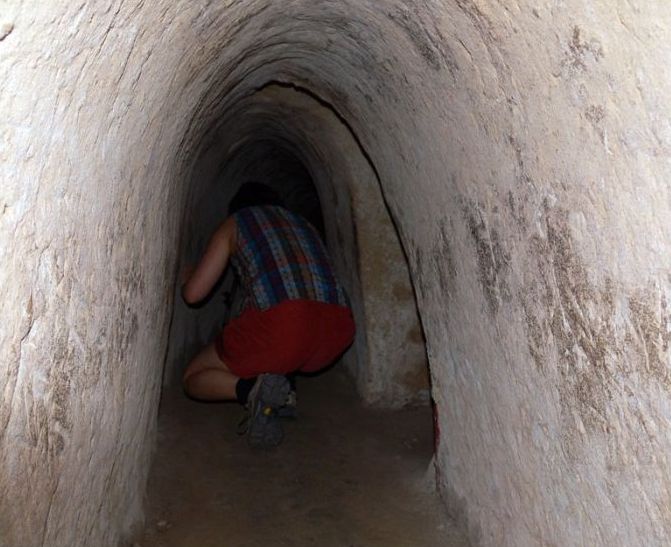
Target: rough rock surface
523 151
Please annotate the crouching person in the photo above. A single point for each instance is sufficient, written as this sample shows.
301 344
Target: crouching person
295 316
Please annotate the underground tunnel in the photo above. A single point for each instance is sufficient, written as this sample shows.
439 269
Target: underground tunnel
493 185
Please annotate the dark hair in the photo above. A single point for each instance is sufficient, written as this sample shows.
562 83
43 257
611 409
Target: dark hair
252 194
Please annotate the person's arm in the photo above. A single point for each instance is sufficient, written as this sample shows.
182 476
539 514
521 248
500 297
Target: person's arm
212 264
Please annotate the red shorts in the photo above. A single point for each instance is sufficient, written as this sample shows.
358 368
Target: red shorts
295 335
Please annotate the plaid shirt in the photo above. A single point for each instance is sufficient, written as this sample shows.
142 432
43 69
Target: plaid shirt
280 256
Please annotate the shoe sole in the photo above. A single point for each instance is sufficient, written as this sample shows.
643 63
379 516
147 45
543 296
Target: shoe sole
265 429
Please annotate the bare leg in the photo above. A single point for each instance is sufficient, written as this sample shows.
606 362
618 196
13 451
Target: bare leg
208 378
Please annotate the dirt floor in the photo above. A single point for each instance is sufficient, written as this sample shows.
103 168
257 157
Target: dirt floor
345 476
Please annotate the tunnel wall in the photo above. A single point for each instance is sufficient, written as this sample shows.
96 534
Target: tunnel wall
89 218
523 150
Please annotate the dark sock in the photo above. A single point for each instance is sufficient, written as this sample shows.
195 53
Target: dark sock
242 389
292 380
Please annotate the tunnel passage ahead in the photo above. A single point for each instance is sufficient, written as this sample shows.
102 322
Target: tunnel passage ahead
522 150
323 170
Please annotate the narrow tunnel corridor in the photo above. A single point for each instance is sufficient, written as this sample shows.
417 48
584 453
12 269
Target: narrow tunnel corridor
493 181
350 474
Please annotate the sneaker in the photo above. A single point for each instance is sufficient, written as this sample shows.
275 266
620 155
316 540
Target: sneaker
268 394
288 409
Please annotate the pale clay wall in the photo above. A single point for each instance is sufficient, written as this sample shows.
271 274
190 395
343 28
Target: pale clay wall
524 152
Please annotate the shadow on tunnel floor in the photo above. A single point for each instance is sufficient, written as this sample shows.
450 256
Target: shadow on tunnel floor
345 476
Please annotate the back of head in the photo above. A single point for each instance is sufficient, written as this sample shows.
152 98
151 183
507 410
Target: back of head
254 194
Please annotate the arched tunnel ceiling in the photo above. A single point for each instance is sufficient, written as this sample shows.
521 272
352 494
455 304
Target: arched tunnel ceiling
523 151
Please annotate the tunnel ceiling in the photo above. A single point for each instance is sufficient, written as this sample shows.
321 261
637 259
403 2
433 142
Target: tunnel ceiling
523 152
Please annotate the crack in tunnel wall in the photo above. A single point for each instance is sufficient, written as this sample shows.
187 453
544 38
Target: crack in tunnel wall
523 151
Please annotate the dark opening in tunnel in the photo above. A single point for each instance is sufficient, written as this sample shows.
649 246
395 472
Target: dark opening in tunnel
297 143
297 146
388 361
273 164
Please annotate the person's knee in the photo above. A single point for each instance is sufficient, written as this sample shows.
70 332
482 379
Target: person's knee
192 368
188 382
205 359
